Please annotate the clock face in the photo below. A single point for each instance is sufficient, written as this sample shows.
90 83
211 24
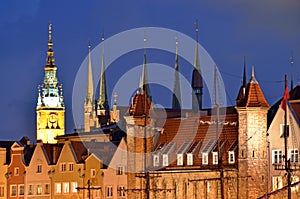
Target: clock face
52 117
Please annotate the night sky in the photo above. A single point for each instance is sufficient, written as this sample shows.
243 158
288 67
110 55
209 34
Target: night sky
265 31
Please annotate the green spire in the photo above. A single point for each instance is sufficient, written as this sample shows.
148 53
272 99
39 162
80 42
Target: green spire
90 86
103 101
176 100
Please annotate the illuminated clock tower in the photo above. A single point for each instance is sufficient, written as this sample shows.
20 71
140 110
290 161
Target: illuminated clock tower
50 109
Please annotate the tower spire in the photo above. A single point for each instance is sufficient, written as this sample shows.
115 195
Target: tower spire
50 52
103 102
176 99
244 75
197 84
90 84
144 86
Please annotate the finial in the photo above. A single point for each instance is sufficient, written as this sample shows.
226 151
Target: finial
115 98
292 70
253 80
176 38
89 44
145 41
196 29
102 36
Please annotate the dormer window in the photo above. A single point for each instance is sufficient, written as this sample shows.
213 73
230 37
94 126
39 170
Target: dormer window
190 159
165 160
204 158
179 159
231 158
156 160
215 158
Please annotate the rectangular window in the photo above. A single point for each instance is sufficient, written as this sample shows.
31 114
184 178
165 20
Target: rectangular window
21 190
39 189
294 155
63 167
165 160
282 130
276 156
16 171
109 191
47 189
58 188
39 168
204 158
13 190
30 189
120 170
66 188
179 159
231 158
155 160
93 173
73 187
1 191
215 158
121 191
190 159
71 166
277 182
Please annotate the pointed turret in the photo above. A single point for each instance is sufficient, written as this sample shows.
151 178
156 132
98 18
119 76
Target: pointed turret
176 99
103 107
141 102
197 83
144 85
89 99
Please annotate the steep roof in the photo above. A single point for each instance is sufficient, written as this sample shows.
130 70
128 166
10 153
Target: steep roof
7 145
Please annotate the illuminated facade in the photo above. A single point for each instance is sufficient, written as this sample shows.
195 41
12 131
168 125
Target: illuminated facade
50 109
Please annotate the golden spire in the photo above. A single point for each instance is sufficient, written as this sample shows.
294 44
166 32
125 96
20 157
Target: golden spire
50 53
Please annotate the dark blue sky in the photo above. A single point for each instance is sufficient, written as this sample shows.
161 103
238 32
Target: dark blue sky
265 31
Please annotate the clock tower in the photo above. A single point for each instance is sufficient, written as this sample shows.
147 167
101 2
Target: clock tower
50 109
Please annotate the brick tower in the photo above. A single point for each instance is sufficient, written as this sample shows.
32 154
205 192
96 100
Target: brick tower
252 109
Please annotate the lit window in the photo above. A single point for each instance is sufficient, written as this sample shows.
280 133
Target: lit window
30 189
13 190
190 159
155 160
16 171
109 191
179 159
121 191
71 166
277 182
63 167
47 189
21 190
231 158
93 173
204 158
39 168
120 170
1 191
58 188
294 155
276 156
66 188
215 158
73 187
39 189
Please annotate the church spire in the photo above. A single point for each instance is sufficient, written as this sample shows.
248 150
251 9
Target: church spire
176 100
103 101
244 75
144 85
197 84
90 85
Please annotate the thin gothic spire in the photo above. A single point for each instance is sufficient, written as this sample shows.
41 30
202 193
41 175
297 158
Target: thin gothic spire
244 75
176 99
50 52
90 84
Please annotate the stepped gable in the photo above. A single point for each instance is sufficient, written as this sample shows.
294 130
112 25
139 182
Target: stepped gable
199 129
